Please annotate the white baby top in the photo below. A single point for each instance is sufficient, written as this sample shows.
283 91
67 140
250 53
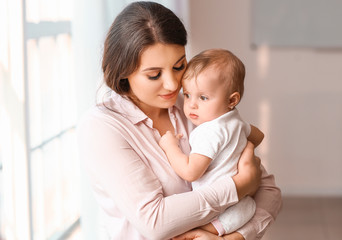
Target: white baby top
223 140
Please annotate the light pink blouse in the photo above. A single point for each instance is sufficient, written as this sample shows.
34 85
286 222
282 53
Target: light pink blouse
133 182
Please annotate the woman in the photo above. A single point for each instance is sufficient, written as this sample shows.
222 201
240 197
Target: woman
142 197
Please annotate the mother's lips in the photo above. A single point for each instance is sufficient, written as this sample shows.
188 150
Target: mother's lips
170 95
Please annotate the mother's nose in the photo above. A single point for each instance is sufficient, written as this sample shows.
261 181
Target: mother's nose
171 82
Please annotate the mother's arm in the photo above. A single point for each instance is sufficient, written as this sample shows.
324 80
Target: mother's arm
268 201
121 180
247 180
268 204
267 197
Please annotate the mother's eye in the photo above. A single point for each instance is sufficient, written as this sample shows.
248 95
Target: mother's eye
155 77
179 68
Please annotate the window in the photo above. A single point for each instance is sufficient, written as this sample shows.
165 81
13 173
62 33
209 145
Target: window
39 169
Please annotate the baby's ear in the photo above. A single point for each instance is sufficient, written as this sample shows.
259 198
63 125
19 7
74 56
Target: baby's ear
234 99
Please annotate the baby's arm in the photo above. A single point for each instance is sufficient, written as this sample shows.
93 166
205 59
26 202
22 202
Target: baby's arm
256 136
190 168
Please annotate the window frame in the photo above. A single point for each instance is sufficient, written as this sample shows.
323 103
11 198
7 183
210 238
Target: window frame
15 163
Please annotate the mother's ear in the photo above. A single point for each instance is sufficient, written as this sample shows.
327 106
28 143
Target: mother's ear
234 99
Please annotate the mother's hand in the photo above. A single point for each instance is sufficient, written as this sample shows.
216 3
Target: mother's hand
248 179
197 234
200 234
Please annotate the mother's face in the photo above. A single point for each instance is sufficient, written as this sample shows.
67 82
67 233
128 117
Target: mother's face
157 81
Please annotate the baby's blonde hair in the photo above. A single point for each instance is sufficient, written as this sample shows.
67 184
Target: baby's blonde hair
230 67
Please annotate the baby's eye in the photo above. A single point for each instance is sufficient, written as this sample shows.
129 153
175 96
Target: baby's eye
179 68
155 77
203 98
186 95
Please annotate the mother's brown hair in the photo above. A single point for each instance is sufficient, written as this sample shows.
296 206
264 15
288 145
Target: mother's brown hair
138 26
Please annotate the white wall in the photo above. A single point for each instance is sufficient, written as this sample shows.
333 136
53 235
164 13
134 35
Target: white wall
293 94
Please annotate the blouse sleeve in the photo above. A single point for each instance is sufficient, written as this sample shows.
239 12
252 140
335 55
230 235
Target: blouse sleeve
121 180
268 204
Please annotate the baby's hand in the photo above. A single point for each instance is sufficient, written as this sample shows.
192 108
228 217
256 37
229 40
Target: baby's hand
169 139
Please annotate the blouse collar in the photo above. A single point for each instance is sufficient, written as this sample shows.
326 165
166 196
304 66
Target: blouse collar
129 110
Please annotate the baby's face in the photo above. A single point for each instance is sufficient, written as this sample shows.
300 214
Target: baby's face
205 97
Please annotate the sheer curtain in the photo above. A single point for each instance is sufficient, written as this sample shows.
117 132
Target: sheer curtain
91 22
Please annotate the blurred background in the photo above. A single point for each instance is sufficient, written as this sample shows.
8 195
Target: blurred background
50 57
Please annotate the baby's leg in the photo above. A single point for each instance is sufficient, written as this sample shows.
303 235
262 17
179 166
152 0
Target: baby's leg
233 218
236 216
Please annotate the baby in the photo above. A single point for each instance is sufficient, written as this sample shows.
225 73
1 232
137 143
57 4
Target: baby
213 85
